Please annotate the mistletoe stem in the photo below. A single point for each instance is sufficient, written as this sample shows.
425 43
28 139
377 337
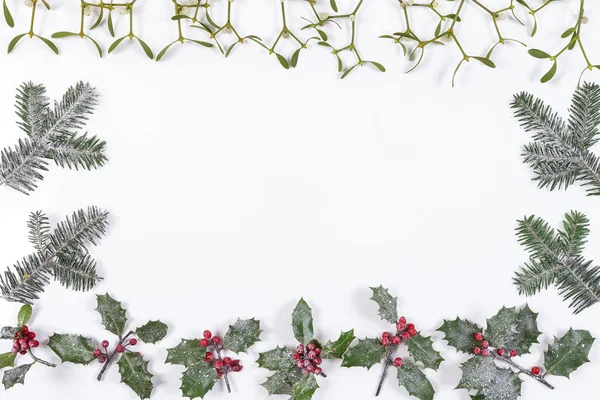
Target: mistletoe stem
226 370
513 364
39 360
386 367
112 356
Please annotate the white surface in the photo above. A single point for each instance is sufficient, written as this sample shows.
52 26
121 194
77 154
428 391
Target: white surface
235 187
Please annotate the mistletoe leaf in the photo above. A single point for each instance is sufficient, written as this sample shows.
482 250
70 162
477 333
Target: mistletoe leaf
366 353
460 334
75 349
338 348
280 358
186 353
152 331
302 322
282 382
113 315
7 360
388 305
198 380
24 315
421 349
242 335
16 375
8 332
568 353
415 382
7 16
134 373
490 381
305 388
513 329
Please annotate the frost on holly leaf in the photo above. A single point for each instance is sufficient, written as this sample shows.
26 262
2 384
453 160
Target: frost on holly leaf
459 334
242 335
282 382
152 331
338 348
134 373
113 315
421 349
366 353
489 381
415 382
8 332
198 380
277 359
186 353
305 388
302 322
72 348
16 375
568 353
388 305
513 329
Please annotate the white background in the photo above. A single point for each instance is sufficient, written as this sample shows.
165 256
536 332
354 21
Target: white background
235 187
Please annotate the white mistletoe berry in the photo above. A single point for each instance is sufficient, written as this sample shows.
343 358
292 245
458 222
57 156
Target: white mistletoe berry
501 17
124 11
193 2
584 20
323 16
410 2
286 35
184 11
29 3
435 4
228 30
448 38
352 18
87 10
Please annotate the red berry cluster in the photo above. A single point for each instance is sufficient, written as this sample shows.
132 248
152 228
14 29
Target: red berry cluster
102 356
308 359
404 332
24 340
222 365
484 349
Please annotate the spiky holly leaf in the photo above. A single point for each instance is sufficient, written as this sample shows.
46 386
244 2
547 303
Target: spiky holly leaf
568 353
134 373
460 334
113 315
242 335
302 322
282 382
186 353
7 360
305 388
388 305
8 332
415 382
280 358
152 331
16 375
366 353
490 381
198 380
421 349
338 348
72 348
513 329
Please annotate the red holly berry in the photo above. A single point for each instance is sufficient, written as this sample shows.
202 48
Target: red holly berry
207 334
396 340
300 349
410 326
485 352
477 350
216 340
236 368
310 369
385 341
318 371
120 348
514 353
296 356
23 352
412 332
204 342
485 344
22 341
138 354
406 335
133 342
97 353
304 371
227 361
300 364
385 335
318 351
24 346
25 329
102 359
307 363
400 327
14 351
218 364
479 336
311 346
312 354
500 352
105 343
318 361
535 370
31 335
398 362
402 320
208 357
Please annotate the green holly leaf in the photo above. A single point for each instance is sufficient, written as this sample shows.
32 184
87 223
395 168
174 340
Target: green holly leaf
24 315
7 360
186 353
513 329
198 380
366 353
8 332
460 334
338 348
113 315
421 349
568 353
415 382
16 375
388 305
490 381
277 359
72 348
305 388
152 332
282 382
134 373
302 322
242 335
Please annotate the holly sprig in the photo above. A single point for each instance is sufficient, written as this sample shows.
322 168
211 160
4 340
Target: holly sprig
24 341
370 351
205 360
493 372
133 367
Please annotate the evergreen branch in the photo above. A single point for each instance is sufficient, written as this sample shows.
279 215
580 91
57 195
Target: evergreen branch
574 234
79 152
535 276
71 112
74 233
39 229
20 167
590 176
26 280
76 271
584 114
538 238
579 283
32 108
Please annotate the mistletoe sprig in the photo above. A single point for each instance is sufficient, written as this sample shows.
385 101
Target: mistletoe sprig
126 8
133 368
510 333
31 33
371 351
205 359
295 370
51 135
61 254
24 341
